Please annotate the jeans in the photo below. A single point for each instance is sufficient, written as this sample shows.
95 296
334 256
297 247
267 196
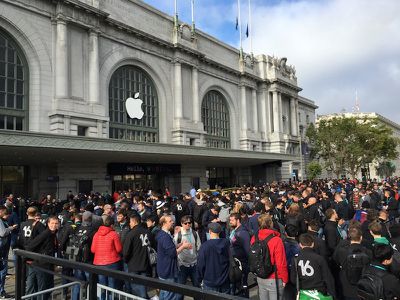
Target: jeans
3 273
267 289
184 273
37 281
76 289
138 289
166 295
225 288
127 284
110 281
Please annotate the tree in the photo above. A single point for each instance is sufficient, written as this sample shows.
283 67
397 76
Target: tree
385 169
314 169
345 144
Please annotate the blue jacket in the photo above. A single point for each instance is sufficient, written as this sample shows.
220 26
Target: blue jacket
213 262
166 256
240 243
253 224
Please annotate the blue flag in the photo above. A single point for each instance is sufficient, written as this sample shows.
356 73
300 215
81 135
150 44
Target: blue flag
247 31
237 23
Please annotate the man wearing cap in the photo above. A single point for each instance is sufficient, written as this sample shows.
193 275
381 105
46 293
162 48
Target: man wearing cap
213 261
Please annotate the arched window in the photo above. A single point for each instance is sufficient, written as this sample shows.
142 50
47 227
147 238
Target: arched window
215 117
13 85
125 83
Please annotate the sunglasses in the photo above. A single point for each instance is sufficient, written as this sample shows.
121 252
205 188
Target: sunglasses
187 223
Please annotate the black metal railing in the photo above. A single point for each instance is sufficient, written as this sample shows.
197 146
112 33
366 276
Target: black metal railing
94 271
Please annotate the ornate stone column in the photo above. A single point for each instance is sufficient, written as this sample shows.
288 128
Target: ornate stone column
255 109
263 98
94 68
61 59
280 112
276 112
178 90
293 116
243 108
195 95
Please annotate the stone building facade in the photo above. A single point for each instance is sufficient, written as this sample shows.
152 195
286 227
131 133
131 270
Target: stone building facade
212 116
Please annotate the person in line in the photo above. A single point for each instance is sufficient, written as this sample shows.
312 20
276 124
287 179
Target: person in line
135 253
187 259
45 243
267 288
351 259
311 271
106 247
240 247
382 258
213 261
167 255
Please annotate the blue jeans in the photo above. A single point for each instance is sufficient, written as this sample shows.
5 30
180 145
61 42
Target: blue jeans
166 295
110 281
183 274
37 281
76 289
3 273
138 289
225 288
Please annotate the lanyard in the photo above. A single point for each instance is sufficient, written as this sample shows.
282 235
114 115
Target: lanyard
378 267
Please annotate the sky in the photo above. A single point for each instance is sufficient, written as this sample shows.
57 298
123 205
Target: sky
339 48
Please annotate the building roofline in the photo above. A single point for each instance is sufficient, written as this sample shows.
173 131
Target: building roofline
364 114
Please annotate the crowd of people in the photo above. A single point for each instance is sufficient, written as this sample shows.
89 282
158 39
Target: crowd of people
325 239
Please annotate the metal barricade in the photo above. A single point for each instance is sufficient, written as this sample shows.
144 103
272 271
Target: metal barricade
57 292
105 292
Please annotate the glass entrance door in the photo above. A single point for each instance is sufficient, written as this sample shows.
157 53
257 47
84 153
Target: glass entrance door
137 182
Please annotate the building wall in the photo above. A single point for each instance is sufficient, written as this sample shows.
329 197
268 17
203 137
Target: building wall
73 50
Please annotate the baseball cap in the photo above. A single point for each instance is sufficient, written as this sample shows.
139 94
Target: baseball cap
159 204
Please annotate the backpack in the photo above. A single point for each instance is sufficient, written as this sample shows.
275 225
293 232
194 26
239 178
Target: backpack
322 217
224 213
78 246
235 269
354 264
152 254
370 286
260 258
179 239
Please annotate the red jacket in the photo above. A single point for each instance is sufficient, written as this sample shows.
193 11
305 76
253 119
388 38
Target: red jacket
106 246
277 252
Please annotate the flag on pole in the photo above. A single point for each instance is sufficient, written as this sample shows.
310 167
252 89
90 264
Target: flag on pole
247 30
237 23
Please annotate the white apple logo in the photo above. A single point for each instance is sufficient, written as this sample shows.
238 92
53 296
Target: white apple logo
134 107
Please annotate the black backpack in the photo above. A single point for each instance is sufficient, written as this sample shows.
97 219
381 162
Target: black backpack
235 269
78 246
370 285
354 264
260 258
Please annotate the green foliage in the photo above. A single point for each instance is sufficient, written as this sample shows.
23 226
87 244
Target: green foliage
314 169
385 169
345 144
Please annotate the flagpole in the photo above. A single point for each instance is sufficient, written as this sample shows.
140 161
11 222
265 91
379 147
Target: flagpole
193 24
250 29
176 14
240 30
